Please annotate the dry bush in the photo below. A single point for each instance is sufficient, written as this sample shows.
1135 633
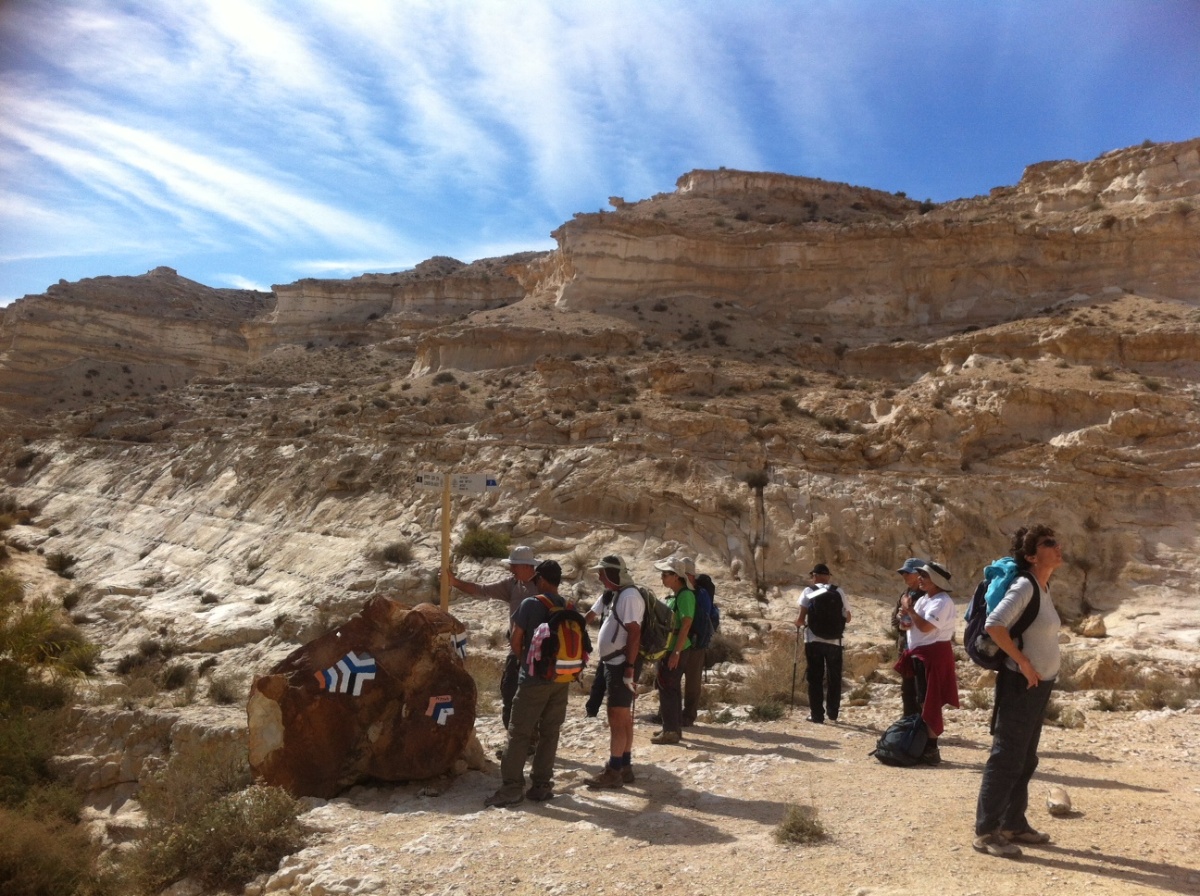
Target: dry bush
206 824
774 677
11 589
979 698
486 671
800 825
44 856
725 647
227 688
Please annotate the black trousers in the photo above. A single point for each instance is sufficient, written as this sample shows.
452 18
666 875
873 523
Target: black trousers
824 676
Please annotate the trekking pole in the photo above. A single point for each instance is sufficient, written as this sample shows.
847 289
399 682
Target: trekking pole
795 664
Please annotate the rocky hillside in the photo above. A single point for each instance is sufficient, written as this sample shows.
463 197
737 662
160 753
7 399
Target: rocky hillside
758 369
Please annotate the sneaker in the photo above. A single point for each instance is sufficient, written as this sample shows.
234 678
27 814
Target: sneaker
1029 836
997 844
627 774
609 779
666 737
505 796
539 793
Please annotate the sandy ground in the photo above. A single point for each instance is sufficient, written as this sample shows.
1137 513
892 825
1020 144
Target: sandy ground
701 817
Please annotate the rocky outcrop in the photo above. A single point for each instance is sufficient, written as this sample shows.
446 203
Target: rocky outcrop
384 696
1068 229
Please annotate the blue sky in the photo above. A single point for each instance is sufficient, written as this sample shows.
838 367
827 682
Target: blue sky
255 142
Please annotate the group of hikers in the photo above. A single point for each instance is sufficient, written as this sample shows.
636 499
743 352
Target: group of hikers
1020 619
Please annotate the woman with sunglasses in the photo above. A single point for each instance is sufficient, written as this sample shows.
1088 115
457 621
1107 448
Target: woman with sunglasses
1023 689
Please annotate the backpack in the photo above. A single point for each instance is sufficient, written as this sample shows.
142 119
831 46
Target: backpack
982 650
657 625
903 743
708 617
826 617
561 645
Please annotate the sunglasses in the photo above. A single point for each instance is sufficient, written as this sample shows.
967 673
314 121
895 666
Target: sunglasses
1048 543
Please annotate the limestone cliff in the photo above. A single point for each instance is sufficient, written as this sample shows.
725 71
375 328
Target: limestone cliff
760 370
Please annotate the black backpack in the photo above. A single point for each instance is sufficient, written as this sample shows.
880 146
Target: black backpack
708 618
903 743
826 618
982 650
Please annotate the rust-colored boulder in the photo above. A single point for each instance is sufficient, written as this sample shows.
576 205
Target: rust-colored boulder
384 696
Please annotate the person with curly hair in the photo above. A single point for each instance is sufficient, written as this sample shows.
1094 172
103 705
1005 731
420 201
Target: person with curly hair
1023 689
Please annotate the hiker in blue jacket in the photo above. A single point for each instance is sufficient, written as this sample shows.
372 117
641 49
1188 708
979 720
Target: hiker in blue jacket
1023 687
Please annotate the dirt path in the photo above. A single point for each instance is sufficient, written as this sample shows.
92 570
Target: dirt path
701 816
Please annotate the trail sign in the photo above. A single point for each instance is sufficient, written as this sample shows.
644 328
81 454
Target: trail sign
473 483
462 484
431 481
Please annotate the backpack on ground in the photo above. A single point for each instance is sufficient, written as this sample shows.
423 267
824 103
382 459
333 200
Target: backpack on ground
708 617
982 650
561 645
903 743
657 625
826 617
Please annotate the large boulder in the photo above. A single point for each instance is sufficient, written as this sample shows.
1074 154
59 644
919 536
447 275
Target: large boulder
383 697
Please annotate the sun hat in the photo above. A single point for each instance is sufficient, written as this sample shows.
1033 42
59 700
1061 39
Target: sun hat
677 564
937 573
615 568
912 564
521 556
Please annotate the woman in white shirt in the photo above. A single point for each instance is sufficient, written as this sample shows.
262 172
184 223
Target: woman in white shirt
1023 689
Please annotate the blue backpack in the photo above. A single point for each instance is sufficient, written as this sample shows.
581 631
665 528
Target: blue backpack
708 617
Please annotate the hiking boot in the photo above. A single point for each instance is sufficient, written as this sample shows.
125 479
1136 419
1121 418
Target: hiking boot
816 721
932 755
688 723
666 737
996 844
505 796
539 793
627 774
1028 836
609 779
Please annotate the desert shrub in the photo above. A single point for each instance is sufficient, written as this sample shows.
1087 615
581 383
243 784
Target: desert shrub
60 563
800 825
724 717
444 377
176 675
1062 716
486 671
725 647
860 694
44 856
11 589
397 553
771 677
227 688
206 824
482 544
767 711
979 698
1110 701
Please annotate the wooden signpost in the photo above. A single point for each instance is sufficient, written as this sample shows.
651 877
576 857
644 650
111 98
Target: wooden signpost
459 483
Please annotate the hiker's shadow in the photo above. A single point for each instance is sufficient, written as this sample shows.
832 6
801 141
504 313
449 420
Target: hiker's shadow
644 812
785 745
1152 875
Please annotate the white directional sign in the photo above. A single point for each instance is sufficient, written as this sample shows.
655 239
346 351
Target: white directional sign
473 483
433 481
